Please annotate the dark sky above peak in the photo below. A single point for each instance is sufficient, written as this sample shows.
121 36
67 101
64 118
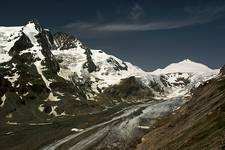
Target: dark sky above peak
147 33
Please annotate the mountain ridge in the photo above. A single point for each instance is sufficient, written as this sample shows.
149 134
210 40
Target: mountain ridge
59 73
185 66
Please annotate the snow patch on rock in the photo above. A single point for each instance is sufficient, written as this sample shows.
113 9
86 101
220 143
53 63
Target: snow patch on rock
53 98
54 113
77 130
3 98
13 78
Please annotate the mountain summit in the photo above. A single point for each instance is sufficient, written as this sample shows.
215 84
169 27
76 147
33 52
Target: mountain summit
184 66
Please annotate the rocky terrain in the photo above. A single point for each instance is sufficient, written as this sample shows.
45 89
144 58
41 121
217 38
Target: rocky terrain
199 124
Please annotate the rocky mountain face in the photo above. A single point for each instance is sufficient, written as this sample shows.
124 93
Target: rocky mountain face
222 71
44 75
199 124
31 87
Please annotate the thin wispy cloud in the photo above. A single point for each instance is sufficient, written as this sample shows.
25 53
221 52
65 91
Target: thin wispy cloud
195 16
161 25
136 13
209 11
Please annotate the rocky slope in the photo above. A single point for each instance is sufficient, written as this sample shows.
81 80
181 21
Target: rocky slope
199 124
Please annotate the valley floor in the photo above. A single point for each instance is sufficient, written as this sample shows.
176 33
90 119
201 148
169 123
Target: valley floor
120 127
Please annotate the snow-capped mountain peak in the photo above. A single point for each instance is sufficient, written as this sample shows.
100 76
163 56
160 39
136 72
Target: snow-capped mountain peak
58 73
185 66
185 75
65 41
30 38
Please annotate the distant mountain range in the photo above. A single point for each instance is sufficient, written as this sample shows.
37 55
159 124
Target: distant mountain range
46 75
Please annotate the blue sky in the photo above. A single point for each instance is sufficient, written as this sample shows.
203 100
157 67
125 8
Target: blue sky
148 33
